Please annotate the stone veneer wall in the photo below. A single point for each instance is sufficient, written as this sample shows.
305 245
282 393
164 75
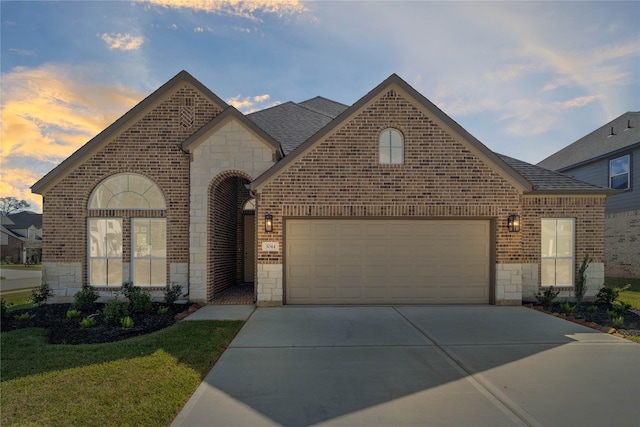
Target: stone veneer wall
622 244
231 151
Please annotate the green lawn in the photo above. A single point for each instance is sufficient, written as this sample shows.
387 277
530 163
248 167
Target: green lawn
631 295
33 267
17 300
142 381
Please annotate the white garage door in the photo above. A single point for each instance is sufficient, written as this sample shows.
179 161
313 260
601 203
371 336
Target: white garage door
387 261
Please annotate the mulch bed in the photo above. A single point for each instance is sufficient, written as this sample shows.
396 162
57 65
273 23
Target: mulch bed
598 319
53 317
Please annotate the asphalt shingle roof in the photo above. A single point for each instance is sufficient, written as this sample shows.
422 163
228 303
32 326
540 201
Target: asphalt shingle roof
599 143
547 180
291 124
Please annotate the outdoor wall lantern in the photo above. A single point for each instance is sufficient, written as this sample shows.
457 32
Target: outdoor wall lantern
513 223
268 223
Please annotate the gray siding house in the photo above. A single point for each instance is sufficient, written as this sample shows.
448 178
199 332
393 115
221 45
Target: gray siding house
610 157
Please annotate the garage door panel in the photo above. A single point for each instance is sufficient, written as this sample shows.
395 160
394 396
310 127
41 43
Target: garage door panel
387 261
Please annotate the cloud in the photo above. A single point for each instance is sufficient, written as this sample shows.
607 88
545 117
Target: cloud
16 182
250 104
22 52
246 9
50 111
121 41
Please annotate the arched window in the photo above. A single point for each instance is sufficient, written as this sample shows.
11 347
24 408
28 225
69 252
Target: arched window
107 236
127 191
391 147
249 205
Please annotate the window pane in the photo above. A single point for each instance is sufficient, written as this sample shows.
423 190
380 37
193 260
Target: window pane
548 272
100 197
384 156
98 271
564 272
117 183
127 191
396 155
128 200
142 272
97 242
114 237
158 237
548 237
396 138
158 272
114 272
564 246
154 198
620 165
141 247
620 182
139 184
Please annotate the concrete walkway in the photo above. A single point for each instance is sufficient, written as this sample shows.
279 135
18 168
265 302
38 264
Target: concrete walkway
427 366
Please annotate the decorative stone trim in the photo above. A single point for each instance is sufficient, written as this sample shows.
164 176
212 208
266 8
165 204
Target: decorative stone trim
508 289
269 283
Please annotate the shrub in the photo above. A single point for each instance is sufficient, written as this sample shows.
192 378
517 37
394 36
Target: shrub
114 310
163 310
592 309
41 294
139 298
87 322
581 283
73 314
611 314
172 293
85 299
620 307
3 309
618 322
567 308
126 322
24 316
608 296
545 298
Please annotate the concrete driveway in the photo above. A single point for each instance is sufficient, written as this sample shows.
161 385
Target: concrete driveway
418 365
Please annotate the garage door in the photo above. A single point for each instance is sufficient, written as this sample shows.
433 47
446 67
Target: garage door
387 261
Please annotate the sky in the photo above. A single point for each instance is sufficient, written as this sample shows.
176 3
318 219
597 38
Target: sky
525 78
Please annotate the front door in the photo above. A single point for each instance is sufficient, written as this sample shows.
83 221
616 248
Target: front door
249 247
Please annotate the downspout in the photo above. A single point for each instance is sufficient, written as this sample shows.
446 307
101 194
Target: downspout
189 194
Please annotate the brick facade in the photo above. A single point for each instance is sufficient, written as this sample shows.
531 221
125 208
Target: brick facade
202 159
622 248
149 147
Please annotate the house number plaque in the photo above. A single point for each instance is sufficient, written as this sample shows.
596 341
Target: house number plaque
270 246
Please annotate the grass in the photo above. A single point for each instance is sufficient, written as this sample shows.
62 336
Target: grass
142 381
17 300
32 267
631 295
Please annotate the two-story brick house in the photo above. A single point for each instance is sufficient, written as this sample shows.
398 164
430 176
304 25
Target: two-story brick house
385 201
610 157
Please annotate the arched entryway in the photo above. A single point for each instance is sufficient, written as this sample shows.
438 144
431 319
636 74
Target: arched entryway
231 245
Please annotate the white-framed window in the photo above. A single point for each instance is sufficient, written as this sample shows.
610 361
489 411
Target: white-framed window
391 147
149 251
105 251
127 191
620 173
148 240
558 241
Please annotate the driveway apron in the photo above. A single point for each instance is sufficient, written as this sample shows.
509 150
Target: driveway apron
418 365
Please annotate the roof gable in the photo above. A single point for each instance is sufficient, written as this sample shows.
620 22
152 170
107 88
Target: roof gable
394 82
230 113
120 125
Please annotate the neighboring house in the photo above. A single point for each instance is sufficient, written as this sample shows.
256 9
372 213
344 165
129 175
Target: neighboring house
385 201
610 157
21 237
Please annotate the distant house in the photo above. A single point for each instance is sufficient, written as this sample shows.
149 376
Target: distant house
386 201
21 235
610 157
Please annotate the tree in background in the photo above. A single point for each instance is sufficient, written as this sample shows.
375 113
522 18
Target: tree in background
9 205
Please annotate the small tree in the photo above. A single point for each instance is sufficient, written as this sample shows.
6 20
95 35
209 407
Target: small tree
580 287
9 205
